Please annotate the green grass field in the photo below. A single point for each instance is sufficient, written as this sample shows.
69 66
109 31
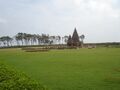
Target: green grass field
83 69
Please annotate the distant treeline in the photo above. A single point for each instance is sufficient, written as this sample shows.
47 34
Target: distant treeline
105 44
25 39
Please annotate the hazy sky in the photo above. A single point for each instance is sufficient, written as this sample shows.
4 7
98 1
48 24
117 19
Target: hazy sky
98 20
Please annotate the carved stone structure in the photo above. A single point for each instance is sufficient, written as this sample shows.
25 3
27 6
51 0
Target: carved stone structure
74 40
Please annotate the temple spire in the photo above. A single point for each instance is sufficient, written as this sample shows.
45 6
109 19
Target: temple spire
74 40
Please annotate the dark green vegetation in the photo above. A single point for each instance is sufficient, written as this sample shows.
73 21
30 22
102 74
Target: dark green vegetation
83 69
10 79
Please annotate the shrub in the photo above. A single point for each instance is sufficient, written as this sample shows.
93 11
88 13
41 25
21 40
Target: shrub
12 80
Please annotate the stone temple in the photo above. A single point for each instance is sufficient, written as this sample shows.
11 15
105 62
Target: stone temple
74 40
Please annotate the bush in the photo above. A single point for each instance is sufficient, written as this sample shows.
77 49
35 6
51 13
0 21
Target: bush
12 80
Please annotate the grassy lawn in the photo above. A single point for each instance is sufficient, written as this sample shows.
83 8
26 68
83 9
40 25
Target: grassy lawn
83 69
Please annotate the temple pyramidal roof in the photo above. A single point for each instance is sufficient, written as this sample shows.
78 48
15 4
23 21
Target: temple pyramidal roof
75 37
74 40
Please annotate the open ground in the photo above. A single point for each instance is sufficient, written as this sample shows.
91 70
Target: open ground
82 69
